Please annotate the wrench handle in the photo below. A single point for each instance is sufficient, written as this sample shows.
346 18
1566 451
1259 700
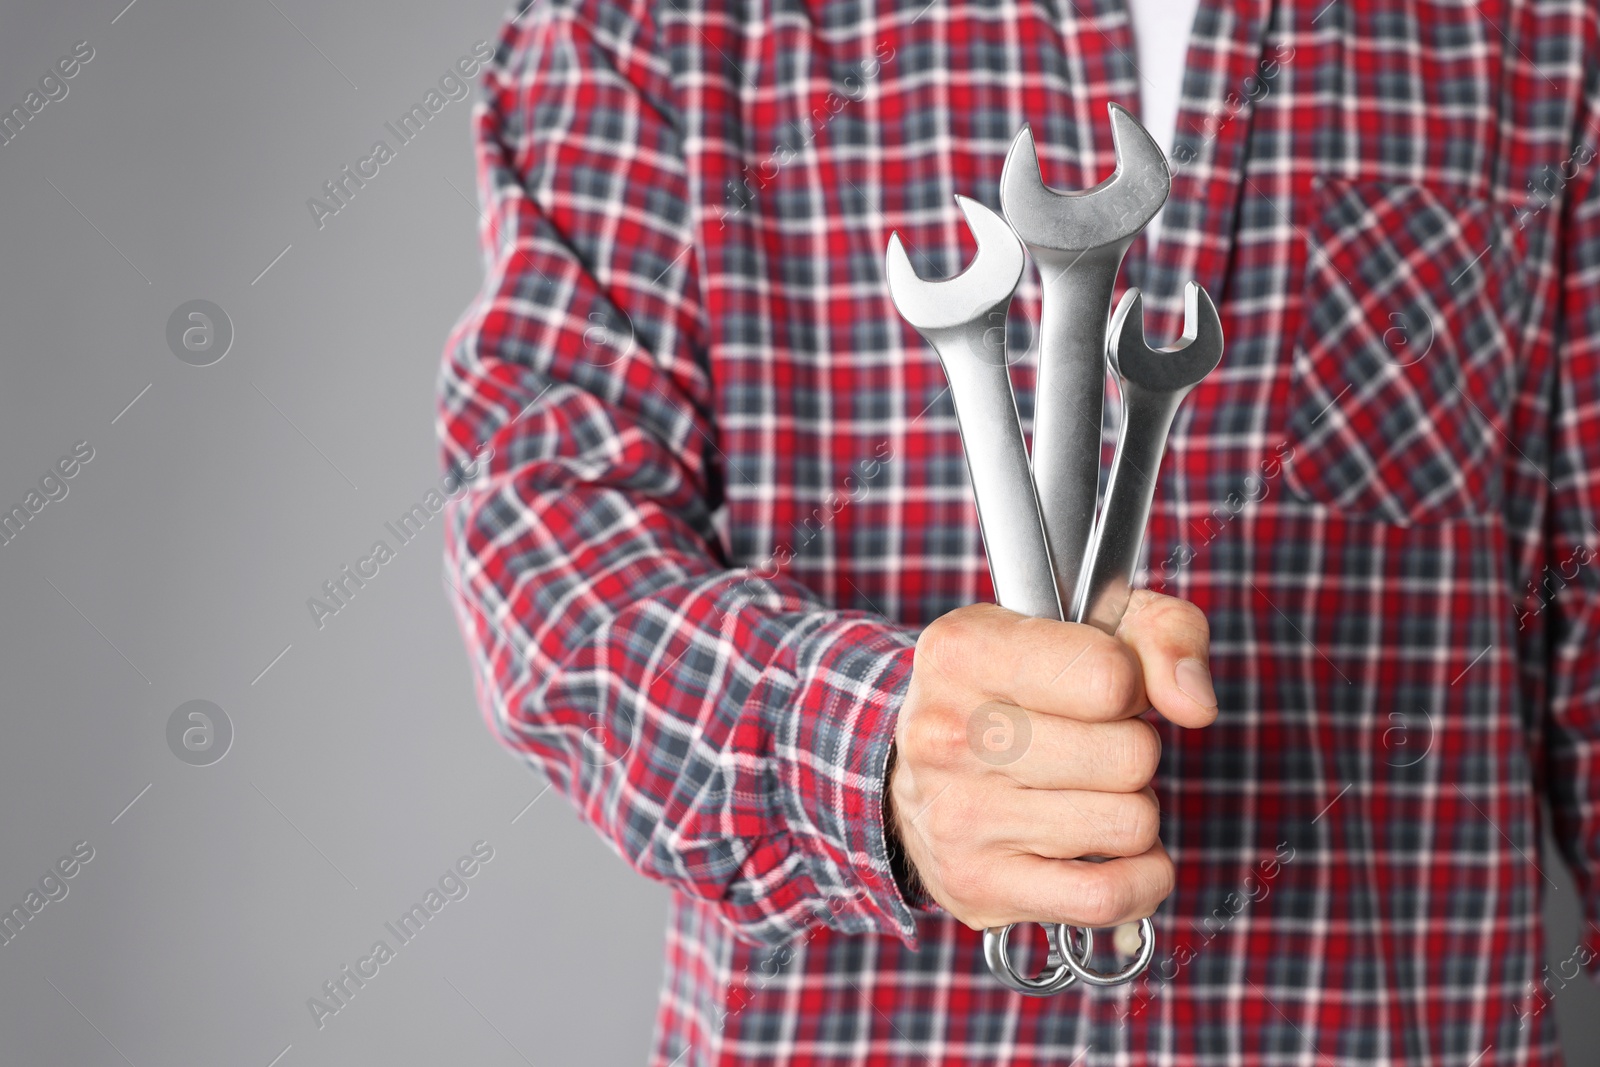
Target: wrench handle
1075 302
997 462
1014 539
1103 594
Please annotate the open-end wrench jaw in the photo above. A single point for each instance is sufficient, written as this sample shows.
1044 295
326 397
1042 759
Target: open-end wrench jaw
1166 370
1109 214
969 297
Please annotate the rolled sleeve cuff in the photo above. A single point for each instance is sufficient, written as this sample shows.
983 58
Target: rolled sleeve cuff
832 745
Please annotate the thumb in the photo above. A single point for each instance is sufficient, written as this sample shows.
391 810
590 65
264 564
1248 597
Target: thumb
1173 642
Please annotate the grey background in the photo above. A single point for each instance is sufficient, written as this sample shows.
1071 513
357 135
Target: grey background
178 566
219 902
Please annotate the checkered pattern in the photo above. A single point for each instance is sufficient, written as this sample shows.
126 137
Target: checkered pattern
726 489
1413 305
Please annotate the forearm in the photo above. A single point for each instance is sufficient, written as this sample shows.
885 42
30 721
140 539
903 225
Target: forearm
725 732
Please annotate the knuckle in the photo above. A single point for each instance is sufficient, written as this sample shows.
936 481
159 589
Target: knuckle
966 883
949 820
1185 619
1164 881
933 648
1138 755
978 914
933 739
945 644
1110 680
1101 899
1153 884
1138 824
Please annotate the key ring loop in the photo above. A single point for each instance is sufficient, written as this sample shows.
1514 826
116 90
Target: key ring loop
1090 976
1056 976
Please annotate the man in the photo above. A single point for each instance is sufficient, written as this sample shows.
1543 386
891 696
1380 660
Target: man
723 580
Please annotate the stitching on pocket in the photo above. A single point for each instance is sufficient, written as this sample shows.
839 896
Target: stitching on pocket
1405 359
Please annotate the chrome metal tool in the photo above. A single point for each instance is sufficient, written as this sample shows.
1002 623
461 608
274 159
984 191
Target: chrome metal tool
1038 518
1153 383
1078 240
963 318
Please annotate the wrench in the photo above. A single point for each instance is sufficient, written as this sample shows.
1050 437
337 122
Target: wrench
1154 382
1078 239
963 318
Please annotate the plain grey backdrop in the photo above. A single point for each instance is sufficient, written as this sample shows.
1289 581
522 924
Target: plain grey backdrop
176 568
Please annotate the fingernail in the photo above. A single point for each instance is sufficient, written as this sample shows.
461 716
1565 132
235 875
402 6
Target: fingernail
1128 939
1195 681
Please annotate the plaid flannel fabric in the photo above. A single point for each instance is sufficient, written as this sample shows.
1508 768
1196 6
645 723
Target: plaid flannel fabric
726 489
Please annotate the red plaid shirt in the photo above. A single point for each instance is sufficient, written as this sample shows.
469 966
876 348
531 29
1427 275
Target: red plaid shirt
726 489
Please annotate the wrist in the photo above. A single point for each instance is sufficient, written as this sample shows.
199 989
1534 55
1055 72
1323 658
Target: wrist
904 872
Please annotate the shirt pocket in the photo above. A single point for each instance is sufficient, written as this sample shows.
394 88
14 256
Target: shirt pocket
1405 361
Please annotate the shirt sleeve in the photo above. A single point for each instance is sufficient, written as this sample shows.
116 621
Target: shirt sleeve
725 731
1568 589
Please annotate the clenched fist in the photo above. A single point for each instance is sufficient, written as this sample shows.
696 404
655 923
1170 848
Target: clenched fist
1020 750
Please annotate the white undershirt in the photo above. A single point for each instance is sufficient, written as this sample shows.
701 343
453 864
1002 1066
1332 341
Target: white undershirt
1161 38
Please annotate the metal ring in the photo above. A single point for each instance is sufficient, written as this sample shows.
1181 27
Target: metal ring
1050 981
1147 952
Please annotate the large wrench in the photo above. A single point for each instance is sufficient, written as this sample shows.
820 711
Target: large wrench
963 318
1078 239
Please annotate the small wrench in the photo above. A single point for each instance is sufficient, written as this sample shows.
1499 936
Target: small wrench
1154 382
1078 239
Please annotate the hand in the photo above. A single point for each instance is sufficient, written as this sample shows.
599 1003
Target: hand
1020 749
